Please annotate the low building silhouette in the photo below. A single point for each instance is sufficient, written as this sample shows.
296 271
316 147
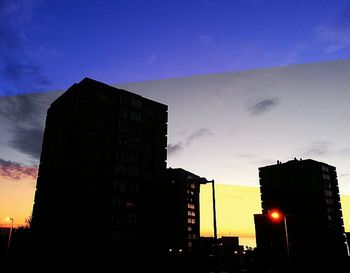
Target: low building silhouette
4 240
225 255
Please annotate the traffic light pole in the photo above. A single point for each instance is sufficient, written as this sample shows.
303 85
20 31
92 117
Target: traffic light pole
287 243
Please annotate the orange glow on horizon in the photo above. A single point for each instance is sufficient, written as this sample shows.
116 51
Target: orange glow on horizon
235 207
16 200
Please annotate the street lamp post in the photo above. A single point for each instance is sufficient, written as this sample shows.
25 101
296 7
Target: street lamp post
205 181
9 239
287 243
214 211
276 216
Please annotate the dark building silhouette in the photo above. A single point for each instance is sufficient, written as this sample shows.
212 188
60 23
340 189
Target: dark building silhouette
183 190
4 243
182 214
101 182
310 236
224 255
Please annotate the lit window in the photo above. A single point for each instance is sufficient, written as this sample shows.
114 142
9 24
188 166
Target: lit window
189 228
129 204
193 186
190 206
191 221
191 236
189 244
191 213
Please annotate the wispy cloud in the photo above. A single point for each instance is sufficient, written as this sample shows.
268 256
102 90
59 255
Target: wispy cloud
263 106
18 68
28 141
15 171
336 34
20 108
336 38
245 156
187 141
23 74
319 148
151 59
205 40
25 116
174 148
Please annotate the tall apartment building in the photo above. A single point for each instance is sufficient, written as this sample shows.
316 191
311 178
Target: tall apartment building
182 219
101 181
183 190
312 230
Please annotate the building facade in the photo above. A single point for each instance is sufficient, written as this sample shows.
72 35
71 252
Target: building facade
182 218
101 180
183 190
311 234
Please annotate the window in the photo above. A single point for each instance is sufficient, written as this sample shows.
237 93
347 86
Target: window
329 201
327 185
193 186
191 213
325 169
330 210
125 186
326 176
189 228
130 142
130 219
127 156
131 187
191 221
129 204
136 103
121 170
328 193
117 202
190 206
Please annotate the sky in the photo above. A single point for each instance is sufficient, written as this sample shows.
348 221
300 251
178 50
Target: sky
47 45
247 83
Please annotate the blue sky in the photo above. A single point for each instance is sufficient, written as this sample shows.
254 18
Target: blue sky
47 45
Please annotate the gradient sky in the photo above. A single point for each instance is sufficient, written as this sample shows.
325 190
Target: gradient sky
247 83
47 45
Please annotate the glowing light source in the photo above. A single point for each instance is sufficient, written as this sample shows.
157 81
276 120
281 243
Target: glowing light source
275 215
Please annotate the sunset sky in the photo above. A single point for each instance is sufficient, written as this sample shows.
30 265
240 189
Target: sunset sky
247 83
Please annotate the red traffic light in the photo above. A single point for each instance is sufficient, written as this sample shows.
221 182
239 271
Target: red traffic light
275 215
